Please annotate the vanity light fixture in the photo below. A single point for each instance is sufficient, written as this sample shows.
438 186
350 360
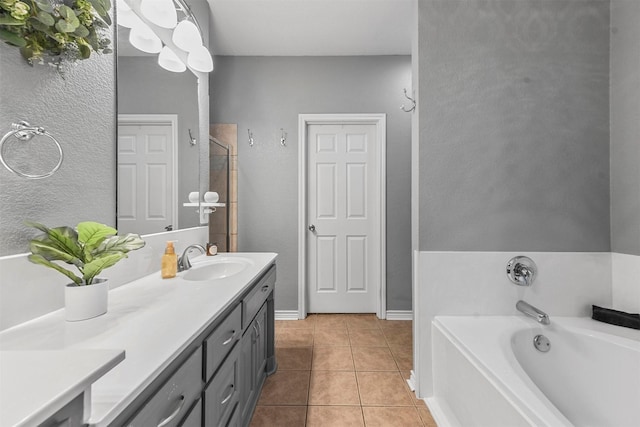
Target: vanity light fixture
170 61
187 36
144 39
160 12
200 60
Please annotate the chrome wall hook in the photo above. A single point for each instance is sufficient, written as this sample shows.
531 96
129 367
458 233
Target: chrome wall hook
250 137
283 137
413 102
192 140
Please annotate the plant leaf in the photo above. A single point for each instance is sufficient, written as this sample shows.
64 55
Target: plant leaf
81 31
44 6
124 244
50 252
102 8
93 233
99 263
38 259
63 238
66 12
45 18
12 38
10 20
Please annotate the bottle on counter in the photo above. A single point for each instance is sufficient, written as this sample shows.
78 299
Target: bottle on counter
169 267
212 249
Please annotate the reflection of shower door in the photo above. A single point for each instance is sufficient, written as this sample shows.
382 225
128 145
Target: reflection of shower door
146 174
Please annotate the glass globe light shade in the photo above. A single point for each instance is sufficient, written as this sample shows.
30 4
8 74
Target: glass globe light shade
186 36
128 19
144 39
160 12
200 60
170 61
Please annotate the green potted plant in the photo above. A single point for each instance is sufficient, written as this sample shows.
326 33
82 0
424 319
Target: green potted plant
55 31
90 248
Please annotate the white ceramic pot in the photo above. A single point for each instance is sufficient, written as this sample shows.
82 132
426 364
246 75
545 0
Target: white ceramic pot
86 302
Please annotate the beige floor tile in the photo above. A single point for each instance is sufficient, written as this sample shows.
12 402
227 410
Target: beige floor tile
367 338
396 325
330 337
426 417
373 359
362 321
330 321
334 416
419 403
333 388
332 359
308 323
391 417
398 338
272 416
403 357
285 388
287 337
294 358
383 389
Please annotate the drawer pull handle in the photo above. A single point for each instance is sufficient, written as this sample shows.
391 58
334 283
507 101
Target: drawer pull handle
174 413
265 288
228 340
226 399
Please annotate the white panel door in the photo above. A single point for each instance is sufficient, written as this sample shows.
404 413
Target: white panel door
145 178
343 241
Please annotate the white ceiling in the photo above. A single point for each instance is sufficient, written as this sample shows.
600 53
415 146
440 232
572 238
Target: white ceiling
311 27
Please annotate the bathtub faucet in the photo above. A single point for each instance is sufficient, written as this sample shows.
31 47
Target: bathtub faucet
531 311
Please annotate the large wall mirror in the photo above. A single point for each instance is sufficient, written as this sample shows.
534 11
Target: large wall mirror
158 138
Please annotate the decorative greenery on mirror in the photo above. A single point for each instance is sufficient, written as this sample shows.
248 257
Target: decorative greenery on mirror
56 32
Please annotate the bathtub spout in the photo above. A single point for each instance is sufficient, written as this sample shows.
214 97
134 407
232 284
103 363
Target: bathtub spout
531 311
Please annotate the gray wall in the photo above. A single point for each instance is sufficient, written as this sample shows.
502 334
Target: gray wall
266 94
79 110
146 88
625 126
514 125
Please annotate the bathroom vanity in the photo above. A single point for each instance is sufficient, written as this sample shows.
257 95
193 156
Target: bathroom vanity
197 350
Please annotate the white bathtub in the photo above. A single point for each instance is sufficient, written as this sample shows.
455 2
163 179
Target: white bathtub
488 373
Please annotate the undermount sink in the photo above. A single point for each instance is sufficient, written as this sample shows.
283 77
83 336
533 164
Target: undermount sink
216 269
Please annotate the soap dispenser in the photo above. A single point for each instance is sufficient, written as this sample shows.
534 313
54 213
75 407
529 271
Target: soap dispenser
169 266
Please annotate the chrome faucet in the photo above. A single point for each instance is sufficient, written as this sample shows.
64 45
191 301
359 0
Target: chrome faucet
183 261
531 311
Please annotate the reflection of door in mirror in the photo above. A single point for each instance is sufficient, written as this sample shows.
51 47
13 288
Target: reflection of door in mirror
223 167
147 171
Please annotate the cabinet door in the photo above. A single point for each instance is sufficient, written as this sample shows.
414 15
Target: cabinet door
222 394
261 347
247 377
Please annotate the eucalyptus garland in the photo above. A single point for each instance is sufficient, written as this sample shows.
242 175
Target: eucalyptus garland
56 31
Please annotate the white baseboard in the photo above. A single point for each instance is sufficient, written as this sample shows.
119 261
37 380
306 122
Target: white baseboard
286 314
399 315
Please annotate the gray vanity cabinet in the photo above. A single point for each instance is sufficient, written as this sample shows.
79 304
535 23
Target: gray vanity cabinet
253 363
217 380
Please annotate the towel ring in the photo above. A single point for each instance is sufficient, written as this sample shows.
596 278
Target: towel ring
24 132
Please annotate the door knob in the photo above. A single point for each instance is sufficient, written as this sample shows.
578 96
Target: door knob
312 228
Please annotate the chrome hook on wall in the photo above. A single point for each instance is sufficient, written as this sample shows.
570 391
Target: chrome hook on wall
413 101
192 140
250 137
283 138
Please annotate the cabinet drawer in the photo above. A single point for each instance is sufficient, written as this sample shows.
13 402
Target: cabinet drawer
258 295
222 394
172 401
221 341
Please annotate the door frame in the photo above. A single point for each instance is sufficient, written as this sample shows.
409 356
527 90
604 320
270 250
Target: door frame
158 119
380 122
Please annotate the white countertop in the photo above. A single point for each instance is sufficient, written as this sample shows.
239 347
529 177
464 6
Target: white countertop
152 319
35 384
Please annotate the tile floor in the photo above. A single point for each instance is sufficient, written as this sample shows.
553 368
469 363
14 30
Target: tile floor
341 370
